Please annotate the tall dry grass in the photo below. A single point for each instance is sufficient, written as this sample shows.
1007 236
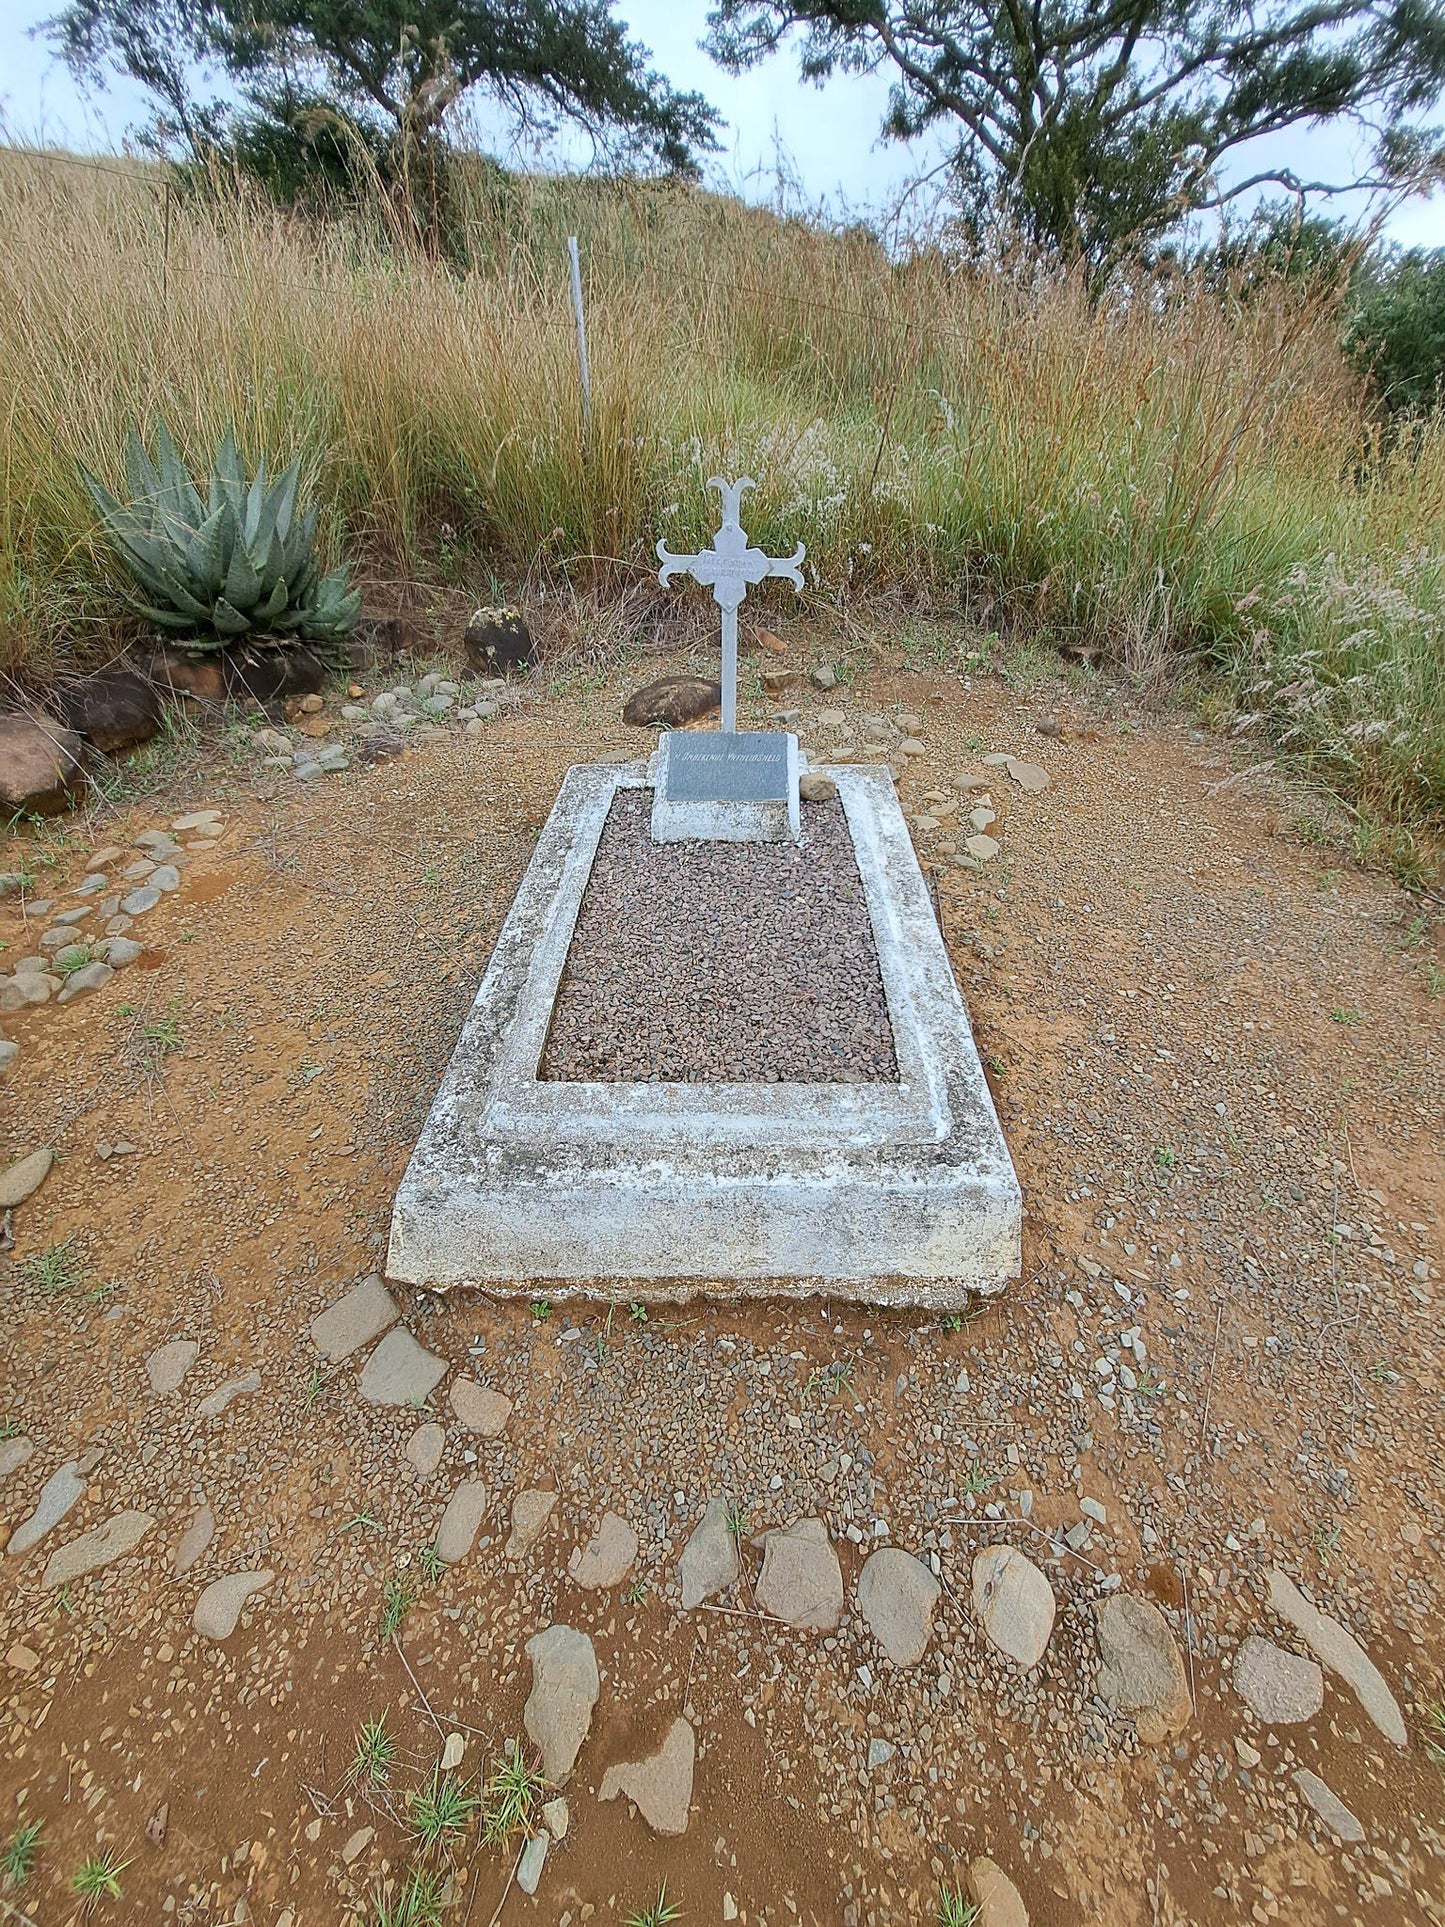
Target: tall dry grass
1175 473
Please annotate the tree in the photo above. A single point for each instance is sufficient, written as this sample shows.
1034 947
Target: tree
392 70
1396 327
1096 125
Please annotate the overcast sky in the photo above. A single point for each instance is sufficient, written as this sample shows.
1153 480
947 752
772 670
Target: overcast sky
827 135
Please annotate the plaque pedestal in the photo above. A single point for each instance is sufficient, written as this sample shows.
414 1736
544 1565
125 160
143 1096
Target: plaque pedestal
725 786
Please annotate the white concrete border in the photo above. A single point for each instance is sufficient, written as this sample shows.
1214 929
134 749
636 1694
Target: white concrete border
888 1193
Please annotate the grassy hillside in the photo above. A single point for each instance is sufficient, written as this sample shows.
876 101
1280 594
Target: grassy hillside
1180 475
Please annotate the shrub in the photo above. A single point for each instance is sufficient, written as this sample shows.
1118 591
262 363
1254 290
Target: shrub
239 563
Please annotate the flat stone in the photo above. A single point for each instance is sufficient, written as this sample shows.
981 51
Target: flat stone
103 858
896 1595
9 1051
89 977
1330 1807
557 1818
139 901
165 877
194 820
13 1454
533 1859
998 1900
880 1752
1014 1603
453 1752
1142 1672
530 1513
709 1561
400 1372
1028 776
59 1493
219 1606
99 1547
216 1402
659 1787
24 1178
194 1542
985 848
564 1691
814 787
424 1449
801 1582
357 1843
461 1521
120 951
608 1555
1278 1687
22 1658
1328 1640
366 1311
479 1408
167 1366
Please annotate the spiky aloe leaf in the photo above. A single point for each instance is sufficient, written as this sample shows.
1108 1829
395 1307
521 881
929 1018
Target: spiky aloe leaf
255 499
177 494
283 500
208 553
274 605
242 587
228 482
229 621
163 618
140 471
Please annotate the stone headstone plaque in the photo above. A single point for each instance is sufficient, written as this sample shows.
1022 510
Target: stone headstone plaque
726 786
745 766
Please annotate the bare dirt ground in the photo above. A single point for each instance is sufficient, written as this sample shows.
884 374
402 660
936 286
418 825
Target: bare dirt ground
1218 1061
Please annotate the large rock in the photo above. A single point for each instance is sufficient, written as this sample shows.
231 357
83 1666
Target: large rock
1142 1672
659 1787
896 1595
607 1557
366 1311
564 1691
114 709
801 1581
24 1178
96 1548
497 641
400 1372
219 1606
709 1561
1341 1652
1279 1687
1330 1808
1014 1603
530 1513
265 674
63 1489
168 1364
998 1900
461 1521
479 1408
672 701
40 767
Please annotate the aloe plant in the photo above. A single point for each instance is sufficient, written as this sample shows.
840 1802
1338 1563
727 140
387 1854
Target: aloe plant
237 563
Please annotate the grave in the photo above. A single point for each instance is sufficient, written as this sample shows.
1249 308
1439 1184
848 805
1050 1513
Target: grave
718 1047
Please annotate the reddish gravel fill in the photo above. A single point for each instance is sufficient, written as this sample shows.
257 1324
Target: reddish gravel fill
735 963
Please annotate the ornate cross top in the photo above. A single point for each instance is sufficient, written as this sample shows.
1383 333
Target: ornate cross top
728 568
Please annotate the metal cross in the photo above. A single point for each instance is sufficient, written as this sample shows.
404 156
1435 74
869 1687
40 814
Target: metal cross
728 567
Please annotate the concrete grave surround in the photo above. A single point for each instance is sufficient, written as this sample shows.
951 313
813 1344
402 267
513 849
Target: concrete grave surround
887 1193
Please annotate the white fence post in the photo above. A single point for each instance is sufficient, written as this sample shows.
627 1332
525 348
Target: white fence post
582 365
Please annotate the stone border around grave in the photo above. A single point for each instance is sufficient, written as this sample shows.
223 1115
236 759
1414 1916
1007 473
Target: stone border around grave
892 1194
